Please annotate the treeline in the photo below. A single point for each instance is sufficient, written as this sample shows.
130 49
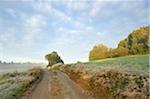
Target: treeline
137 42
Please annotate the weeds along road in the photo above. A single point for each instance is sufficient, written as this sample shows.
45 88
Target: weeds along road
57 85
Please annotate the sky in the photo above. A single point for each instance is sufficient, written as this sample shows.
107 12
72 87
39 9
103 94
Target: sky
29 29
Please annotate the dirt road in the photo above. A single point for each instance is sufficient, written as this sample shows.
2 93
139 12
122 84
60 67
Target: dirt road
57 85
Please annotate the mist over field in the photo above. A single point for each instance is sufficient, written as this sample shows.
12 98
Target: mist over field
18 67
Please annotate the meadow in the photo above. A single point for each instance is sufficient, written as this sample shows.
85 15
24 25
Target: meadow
133 63
14 85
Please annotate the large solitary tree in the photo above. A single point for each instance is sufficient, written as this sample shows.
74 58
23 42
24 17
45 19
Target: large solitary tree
53 58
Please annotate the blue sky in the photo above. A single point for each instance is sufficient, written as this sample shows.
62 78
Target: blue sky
31 28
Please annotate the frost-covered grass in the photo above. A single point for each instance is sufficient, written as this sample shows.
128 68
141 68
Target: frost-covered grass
139 63
13 85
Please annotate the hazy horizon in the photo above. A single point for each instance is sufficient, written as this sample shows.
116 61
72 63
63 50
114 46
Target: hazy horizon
31 29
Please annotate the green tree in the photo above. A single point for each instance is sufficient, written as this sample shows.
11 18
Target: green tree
53 58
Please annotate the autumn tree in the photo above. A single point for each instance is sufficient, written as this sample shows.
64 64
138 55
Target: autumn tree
137 42
98 52
120 51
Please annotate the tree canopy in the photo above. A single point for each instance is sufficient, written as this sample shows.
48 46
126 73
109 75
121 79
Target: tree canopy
136 43
98 52
53 58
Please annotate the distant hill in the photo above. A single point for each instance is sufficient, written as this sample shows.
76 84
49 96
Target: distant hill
136 43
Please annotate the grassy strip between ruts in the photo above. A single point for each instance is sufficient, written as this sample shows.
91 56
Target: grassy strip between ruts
14 85
55 87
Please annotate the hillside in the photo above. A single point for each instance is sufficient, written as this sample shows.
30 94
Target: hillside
113 78
139 63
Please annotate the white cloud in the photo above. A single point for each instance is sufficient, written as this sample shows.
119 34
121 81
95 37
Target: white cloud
68 31
76 42
46 8
17 44
49 11
97 6
8 42
23 39
84 32
35 22
33 25
76 5
12 12
8 36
